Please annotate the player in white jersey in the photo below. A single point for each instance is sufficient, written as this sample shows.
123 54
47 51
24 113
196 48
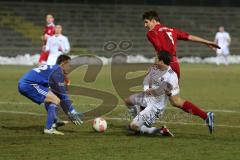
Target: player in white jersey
57 45
223 39
160 83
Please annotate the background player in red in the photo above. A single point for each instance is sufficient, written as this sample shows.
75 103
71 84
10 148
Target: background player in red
49 30
165 39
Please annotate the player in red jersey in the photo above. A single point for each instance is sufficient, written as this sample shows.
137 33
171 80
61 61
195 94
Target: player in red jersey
49 30
165 39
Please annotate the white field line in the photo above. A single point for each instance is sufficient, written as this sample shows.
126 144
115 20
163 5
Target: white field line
168 108
121 119
19 103
182 123
25 113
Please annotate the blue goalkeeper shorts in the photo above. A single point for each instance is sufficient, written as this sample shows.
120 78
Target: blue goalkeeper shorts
37 93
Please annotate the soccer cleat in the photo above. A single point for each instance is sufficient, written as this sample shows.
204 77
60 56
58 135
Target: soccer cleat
52 131
59 123
164 131
209 121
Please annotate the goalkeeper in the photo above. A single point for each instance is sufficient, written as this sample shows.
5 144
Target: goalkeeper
45 84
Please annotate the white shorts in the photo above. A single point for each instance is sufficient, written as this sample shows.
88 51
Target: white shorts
141 99
147 117
223 51
154 107
138 99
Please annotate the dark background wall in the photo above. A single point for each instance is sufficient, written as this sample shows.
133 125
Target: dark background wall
91 26
223 3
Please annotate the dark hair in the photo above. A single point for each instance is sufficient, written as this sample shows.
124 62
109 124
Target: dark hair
164 56
150 15
62 58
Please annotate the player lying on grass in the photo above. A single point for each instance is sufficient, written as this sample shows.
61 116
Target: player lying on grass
45 84
160 84
165 39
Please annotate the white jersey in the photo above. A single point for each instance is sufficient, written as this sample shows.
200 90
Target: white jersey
223 39
56 45
162 81
165 84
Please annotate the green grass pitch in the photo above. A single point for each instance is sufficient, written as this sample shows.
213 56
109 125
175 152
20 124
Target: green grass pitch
212 88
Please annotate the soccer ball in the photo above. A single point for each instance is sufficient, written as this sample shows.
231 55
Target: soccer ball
99 124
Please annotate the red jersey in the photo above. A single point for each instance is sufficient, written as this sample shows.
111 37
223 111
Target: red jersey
165 38
49 30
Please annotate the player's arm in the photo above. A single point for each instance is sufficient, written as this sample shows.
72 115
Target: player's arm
185 36
165 88
43 35
216 39
65 46
43 39
210 44
57 85
147 83
229 39
47 47
169 87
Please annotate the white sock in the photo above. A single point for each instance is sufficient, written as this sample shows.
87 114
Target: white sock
148 130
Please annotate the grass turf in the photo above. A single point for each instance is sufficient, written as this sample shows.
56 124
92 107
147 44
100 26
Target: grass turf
211 87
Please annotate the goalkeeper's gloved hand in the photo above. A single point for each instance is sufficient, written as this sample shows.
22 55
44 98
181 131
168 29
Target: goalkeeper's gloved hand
75 117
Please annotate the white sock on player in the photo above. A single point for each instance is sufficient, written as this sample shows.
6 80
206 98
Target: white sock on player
148 130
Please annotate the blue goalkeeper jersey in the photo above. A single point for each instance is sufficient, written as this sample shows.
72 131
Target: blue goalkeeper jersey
42 74
48 76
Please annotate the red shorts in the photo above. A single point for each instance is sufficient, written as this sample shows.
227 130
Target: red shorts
43 56
175 66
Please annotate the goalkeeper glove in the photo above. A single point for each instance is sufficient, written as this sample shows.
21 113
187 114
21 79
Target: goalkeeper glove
75 117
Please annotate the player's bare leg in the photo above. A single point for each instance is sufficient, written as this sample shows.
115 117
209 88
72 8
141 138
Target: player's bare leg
128 102
52 98
133 110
